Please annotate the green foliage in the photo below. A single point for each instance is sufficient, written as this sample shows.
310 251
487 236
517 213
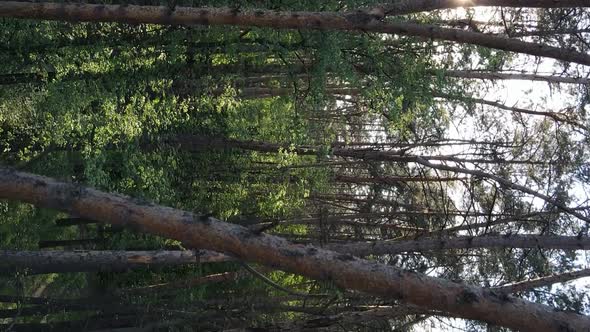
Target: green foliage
95 104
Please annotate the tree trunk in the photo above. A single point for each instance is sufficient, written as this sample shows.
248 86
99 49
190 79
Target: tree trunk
529 285
557 117
64 222
351 21
482 75
110 322
500 221
181 284
181 72
403 7
52 307
464 242
506 183
201 143
343 270
346 318
38 262
526 33
68 243
395 179
270 92
198 143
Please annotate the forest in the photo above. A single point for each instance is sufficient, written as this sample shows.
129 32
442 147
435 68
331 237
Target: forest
294 165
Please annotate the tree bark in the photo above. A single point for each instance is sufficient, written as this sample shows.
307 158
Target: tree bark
64 222
351 21
463 242
39 262
343 270
403 7
529 285
545 33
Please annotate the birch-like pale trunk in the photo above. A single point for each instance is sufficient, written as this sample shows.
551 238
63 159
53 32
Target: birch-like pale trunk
343 270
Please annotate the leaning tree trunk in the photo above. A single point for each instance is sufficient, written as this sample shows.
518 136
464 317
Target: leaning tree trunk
488 75
181 284
343 270
392 180
98 322
403 7
349 21
529 285
38 262
556 117
463 242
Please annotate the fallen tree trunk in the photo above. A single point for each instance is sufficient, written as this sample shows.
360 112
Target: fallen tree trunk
343 270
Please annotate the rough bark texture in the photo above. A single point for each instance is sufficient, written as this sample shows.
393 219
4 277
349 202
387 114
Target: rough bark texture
528 285
38 262
343 270
402 7
464 242
350 21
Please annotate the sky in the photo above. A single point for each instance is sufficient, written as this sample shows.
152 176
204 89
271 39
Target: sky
537 96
